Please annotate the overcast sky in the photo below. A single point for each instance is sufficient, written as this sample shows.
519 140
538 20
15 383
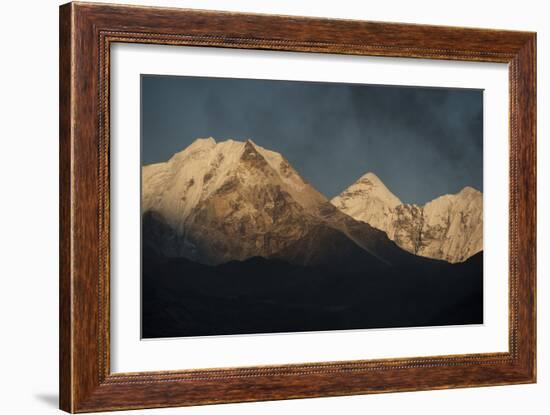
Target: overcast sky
421 142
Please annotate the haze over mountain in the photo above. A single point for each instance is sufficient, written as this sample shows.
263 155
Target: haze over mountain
449 227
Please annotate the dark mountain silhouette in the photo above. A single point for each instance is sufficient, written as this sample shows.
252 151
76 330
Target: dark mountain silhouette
259 295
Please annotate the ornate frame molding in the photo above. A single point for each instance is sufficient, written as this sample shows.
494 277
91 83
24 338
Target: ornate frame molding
86 33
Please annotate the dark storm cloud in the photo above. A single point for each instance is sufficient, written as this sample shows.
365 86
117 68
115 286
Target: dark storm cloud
421 142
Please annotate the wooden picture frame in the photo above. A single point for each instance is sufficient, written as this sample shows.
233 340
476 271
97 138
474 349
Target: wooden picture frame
86 33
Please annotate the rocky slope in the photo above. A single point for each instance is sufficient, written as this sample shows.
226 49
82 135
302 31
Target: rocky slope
449 227
217 202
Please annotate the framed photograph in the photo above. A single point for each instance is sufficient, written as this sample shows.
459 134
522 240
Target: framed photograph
258 207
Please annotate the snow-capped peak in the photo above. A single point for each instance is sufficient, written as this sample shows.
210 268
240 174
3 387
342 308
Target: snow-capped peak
366 199
229 200
373 187
469 191
174 188
200 142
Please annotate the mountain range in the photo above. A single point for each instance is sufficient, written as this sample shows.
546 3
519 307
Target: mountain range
216 202
235 241
449 227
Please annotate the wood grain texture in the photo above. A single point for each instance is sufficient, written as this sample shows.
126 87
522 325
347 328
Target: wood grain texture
86 33
65 247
